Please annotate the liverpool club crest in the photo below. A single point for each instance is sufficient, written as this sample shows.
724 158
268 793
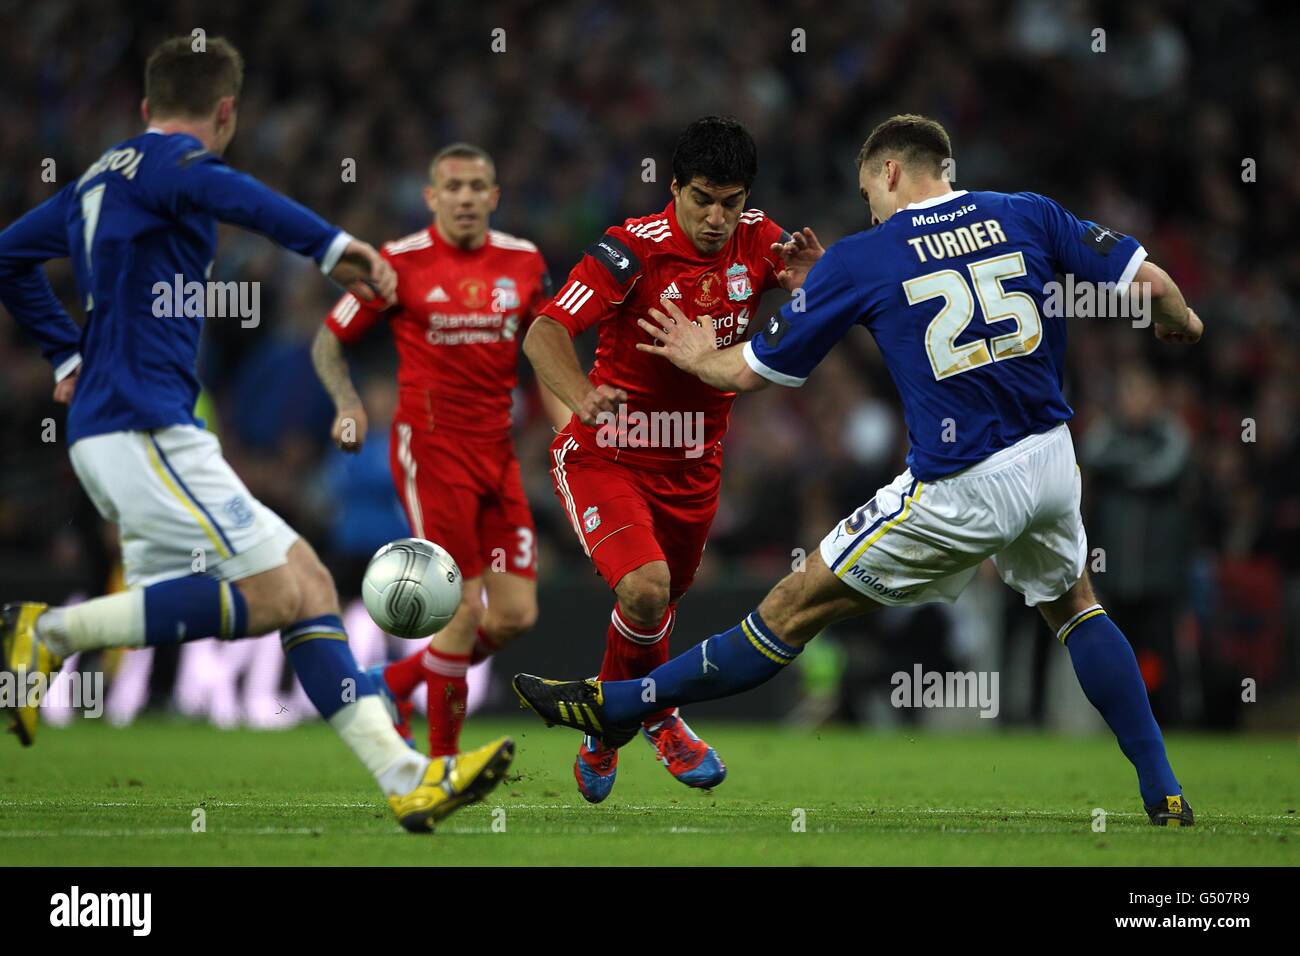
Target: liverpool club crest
738 287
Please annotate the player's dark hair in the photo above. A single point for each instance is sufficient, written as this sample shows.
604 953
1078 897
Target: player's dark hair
719 150
180 81
461 151
917 142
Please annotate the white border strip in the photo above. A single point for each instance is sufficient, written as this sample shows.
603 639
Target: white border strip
771 374
1130 270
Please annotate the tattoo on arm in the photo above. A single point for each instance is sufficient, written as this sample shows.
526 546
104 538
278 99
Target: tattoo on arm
332 369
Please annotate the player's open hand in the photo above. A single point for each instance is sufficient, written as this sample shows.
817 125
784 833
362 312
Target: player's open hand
678 338
365 273
1189 335
602 398
799 255
349 431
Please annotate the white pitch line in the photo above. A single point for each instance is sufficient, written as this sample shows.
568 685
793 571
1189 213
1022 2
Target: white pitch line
38 802
159 831
331 832
632 808
561 830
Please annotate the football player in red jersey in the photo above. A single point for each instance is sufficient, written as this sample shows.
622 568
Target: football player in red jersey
465 295
638 466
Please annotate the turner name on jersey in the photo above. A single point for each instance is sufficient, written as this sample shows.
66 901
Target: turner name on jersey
955 290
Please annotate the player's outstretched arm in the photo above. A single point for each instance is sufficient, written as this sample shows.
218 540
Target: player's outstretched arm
207 183
1175 323
350 423
549 348
693 347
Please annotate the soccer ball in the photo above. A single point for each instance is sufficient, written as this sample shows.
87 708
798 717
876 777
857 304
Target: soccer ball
411 587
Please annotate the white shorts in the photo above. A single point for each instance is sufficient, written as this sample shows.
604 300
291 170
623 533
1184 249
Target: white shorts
922 541
178 506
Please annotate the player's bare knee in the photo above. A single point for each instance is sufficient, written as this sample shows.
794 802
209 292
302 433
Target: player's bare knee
643 594
506 623
273 599
471 612
783 603
805 602
1079 598
317 588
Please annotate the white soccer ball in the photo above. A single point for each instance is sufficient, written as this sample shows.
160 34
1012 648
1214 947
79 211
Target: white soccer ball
411 587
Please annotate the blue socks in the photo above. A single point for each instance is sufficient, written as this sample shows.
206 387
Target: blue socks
319 652
1108 673
191 608
195 607
745 656
750 654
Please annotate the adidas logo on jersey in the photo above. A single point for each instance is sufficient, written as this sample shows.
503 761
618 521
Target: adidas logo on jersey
672 292
437 295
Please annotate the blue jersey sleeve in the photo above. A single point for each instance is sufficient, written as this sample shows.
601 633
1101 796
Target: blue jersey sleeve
796 339
1088 251
25 246
196 180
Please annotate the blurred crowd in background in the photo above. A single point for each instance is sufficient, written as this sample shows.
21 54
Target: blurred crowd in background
1179 123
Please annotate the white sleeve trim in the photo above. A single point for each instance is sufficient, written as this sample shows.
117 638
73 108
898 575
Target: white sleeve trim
1130 270
334 252
771 374
67 367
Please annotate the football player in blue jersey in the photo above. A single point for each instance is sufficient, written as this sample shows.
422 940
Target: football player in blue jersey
955 288
202 557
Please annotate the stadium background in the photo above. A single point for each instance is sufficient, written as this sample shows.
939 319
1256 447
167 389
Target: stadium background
1200 528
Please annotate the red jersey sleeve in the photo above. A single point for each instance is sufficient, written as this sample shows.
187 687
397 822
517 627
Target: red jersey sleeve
545 289
598 284
351 318
767 232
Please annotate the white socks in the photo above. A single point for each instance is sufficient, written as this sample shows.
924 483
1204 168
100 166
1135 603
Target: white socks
115 620
364 725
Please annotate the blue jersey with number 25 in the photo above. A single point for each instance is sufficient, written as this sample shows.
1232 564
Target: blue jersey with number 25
953 290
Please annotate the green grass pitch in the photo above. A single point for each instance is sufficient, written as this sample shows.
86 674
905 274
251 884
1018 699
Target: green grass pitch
91 794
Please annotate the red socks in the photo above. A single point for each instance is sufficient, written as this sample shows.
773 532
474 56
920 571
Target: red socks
405 675
402 677
484 647
632 651
445 680
443 675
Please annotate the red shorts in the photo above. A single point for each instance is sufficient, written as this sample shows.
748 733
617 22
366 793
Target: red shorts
627 516
465 494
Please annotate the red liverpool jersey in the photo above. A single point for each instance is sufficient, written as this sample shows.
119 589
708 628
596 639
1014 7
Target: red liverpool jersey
672 419
458 321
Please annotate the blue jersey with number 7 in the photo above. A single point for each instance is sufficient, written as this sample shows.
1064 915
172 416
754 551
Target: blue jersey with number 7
140 223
